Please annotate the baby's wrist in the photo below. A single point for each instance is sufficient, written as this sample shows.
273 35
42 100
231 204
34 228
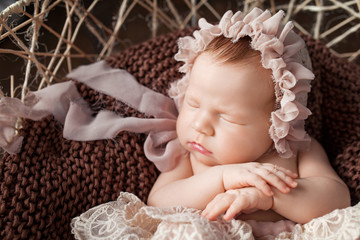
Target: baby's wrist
267 201
221 169
272 198
217 174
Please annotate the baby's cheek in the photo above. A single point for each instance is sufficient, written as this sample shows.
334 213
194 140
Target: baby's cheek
229 148
182 127
239 147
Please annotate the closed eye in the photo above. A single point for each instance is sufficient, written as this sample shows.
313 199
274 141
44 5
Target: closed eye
230 120
192 103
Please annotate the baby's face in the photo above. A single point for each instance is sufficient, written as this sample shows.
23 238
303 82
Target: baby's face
225 115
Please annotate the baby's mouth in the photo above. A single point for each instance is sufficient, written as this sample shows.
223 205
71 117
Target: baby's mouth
197 147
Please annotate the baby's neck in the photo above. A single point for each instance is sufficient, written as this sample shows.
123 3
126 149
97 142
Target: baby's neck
269 157
197 167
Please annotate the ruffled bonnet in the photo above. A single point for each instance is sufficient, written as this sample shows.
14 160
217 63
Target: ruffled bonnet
282 51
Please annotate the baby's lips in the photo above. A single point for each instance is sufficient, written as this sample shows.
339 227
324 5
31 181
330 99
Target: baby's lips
198 147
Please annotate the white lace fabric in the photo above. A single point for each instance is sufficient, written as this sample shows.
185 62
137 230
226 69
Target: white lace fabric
129 218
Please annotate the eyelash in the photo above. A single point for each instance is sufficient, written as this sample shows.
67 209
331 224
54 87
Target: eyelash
230 120
226 119
192 104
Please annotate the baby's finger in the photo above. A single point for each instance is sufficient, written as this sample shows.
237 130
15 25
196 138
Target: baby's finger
251 178
288 172
279 172
209 207
273 178
235 208
216 207
261 184
284 174
273 167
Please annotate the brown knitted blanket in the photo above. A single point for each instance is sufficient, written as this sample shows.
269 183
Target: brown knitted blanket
53 179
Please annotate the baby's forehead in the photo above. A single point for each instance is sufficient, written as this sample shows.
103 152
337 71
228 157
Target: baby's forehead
248 70
247 81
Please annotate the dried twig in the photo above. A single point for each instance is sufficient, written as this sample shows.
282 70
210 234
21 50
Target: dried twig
77 16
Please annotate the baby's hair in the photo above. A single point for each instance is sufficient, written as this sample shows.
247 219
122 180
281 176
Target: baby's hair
227 51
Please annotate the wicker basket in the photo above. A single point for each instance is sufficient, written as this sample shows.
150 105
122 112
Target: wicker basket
53 179
42 40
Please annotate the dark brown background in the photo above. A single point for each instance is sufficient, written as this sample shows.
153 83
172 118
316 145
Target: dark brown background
137 28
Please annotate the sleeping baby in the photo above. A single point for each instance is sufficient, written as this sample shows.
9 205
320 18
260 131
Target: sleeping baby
242 106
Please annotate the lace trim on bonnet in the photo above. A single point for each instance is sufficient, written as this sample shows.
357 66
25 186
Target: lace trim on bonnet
282 51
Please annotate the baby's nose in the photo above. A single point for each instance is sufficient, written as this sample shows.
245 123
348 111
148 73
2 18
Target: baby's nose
203 124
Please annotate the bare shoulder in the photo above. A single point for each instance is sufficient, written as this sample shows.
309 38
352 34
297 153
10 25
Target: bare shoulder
315 162
181 171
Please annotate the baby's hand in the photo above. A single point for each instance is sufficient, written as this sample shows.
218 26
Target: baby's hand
259 175
236 201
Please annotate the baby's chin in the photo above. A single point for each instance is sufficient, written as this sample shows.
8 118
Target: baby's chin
212 160
204 159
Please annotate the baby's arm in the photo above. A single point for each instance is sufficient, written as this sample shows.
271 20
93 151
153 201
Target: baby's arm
181 187
319 189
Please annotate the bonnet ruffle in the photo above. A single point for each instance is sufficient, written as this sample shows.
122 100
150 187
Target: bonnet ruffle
282 51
